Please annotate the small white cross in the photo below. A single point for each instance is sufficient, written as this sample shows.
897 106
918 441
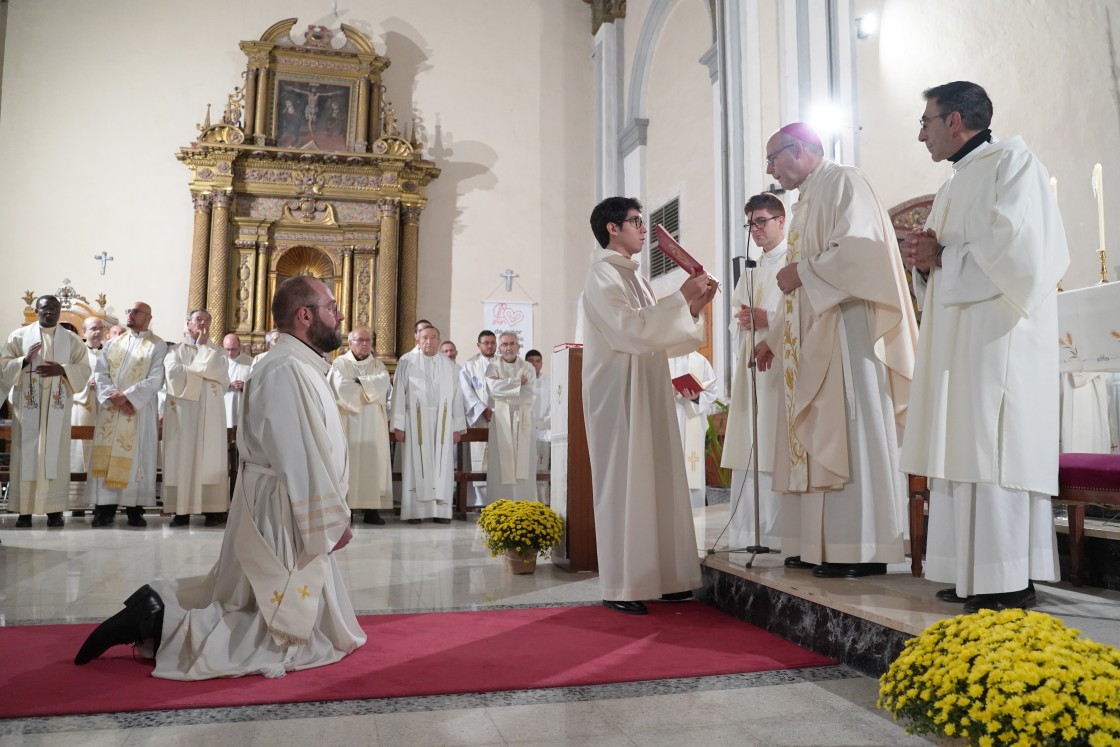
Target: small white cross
509 275
103 258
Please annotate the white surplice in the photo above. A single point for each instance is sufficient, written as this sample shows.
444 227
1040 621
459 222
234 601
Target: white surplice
41 407
692 421
275 601
511 470
644 533
361 388
1084 405
542 414
757 287
983 421
133 365
428 406
476 398
83 494
195 451
239 368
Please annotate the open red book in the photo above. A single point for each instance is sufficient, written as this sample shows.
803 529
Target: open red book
676 252
687 382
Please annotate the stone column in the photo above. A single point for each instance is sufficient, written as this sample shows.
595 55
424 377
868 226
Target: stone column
410 265
261 322
385 315
217 283
374 122
200 250
250 100
347 288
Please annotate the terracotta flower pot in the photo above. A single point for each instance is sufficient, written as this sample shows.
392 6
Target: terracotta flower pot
522 562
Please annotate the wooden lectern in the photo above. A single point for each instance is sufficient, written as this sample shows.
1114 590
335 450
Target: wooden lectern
571 465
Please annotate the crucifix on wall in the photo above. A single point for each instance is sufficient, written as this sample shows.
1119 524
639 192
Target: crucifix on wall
103 258
509 275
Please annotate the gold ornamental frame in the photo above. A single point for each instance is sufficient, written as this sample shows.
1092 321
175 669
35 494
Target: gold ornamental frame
308 171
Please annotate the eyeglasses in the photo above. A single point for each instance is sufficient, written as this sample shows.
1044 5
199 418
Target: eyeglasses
361 341
135 311
924 121
759 223
771 156
333 308
635 221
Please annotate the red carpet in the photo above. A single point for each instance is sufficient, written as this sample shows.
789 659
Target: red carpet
409 655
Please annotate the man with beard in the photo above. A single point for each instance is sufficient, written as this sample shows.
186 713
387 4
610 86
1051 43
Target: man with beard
361 386
476 402
448 348
512 471
129 375
43 365
85 413
275 602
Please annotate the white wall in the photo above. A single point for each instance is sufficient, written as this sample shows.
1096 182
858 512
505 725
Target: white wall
98 97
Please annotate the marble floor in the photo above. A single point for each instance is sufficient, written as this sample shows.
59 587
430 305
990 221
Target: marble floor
81 575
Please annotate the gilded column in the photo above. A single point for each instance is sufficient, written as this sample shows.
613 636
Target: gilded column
386 301
261 322
374 122
250 100
261 126
361 144
217 282
347 288
410 264
200 251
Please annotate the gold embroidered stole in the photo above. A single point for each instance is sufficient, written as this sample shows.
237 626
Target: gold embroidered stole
114 439
791 351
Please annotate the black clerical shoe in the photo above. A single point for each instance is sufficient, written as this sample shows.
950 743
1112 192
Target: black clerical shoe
372 517
55 520
103 518
849 570
950 595
795 562
441 520
1022 599
24 521
181 520
629 608
136 516
413 521
78 513
214 520
142 617
677 596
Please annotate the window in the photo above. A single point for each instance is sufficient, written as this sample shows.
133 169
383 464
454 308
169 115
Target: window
669 216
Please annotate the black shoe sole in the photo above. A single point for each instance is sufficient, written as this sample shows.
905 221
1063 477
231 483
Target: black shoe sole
630 608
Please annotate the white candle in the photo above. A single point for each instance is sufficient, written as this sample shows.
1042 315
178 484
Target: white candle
1098 190
1054 187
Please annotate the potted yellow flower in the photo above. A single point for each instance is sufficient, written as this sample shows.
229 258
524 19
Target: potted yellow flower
1006 678
521 530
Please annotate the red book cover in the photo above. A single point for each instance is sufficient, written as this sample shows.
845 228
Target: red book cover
687 382
676 252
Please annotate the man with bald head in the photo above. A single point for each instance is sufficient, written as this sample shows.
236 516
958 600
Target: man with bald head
843 339
510 382
128 376
275 602
85 413
195 455
42 364
361 386
239 365
447 347
114 332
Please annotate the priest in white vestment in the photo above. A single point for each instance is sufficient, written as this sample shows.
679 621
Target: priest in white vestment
361 387
447 347
511 472
427 419
239 366
844 339
984 411
644 533
270 339
42 365
275 602
129 376
542 417
195 441
692 420
478 407
779 525
82 494
1084 402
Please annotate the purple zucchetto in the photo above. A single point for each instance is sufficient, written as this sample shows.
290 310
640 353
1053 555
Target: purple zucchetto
802 132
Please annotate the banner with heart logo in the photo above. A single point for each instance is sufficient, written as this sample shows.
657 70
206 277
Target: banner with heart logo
510 316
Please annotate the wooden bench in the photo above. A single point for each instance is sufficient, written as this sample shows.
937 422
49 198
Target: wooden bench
464 475
1083 480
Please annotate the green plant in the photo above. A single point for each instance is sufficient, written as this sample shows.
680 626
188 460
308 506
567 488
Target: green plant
520 526
713 442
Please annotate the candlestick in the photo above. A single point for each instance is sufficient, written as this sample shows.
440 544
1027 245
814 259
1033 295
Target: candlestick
1098 191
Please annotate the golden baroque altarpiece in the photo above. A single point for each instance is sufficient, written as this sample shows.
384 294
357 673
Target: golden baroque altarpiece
308 172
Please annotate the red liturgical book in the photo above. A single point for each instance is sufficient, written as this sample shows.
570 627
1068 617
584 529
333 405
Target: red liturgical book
676 252
687 382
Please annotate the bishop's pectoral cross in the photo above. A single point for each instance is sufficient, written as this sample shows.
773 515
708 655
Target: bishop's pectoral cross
103 258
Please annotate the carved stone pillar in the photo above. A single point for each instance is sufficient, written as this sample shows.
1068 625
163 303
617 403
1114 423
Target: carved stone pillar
217 282
410 264
347 288
386 302
261 322
200 251
362 300
250 100
243 282
261 126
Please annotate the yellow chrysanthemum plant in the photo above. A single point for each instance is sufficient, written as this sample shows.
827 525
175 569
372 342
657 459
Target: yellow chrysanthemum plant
521 526
1006 678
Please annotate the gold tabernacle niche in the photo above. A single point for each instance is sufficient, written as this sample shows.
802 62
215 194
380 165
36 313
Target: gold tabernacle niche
308 172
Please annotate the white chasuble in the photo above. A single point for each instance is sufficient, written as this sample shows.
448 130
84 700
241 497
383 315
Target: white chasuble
41 407
644 533
984 409
511 471
756 287
692 419
275 601
428 406
125 447
844 344
195 444
82 494
239 368
362 391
